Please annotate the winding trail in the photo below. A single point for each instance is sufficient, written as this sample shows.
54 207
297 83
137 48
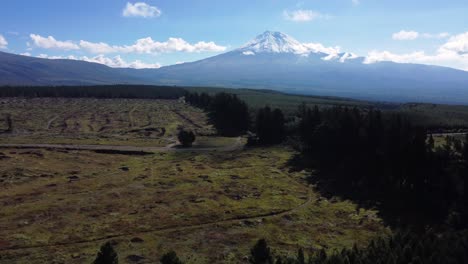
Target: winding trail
49 123
170 228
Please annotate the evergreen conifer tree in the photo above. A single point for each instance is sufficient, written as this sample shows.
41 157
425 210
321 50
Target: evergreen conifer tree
261 253
106 255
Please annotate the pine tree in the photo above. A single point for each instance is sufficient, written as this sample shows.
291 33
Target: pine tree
106 255
170 258
300 256
261 253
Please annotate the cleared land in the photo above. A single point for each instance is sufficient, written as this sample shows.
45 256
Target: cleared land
60 205
132 122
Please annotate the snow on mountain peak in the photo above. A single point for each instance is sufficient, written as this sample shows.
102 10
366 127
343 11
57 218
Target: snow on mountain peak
277 42
274 42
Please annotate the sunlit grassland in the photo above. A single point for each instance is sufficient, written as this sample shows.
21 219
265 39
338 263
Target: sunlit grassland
209 207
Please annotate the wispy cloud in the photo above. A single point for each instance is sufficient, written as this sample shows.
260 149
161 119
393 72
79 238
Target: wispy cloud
412 35
141 9
356 2
405 35
3 42
302 15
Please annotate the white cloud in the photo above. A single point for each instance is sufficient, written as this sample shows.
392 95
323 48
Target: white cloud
26 54
454 54
356 2
3 42
149 46
115 62
45 56
457 44
435 36
118 62
100 47
51 43
318 47
412 35
301 15
144 45
405 35
141 10
248 53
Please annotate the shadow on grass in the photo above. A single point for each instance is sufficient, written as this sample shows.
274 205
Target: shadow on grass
396 211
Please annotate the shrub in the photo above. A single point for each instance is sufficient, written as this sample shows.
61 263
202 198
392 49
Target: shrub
186 138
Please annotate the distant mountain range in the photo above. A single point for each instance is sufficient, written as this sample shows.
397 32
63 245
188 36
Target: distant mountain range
272 60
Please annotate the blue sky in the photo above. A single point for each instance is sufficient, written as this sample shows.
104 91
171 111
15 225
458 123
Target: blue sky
432 32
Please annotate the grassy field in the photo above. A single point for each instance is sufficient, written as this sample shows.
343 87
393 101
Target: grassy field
455 116
59 206
286 102
98 121
209 207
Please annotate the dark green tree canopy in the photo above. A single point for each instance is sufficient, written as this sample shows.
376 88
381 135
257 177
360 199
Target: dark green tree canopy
227 112
170 258
261 253
270 126
186 137
106 255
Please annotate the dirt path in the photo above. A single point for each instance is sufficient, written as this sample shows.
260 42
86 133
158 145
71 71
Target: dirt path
130 116
49 123
187 119
171 228
171 147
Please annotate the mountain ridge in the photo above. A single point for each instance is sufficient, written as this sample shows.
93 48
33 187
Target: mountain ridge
272 60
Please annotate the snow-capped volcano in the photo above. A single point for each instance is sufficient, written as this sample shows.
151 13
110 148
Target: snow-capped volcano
274 42
272 60
277 42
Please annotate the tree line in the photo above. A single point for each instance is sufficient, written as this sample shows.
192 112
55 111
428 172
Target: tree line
363 154
403 247
387 160
101 91
232 117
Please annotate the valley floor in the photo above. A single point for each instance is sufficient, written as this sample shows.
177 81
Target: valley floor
59 205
